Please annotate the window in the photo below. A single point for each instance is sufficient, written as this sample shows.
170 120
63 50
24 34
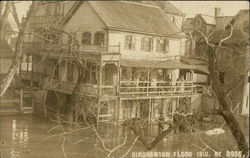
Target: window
99 39
86 38
162 45
90 74
222 77
147 44
70 70
129 42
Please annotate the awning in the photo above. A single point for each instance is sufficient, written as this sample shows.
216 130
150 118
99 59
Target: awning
176 64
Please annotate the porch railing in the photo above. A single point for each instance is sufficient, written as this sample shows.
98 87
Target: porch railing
159 87
155 87
110 49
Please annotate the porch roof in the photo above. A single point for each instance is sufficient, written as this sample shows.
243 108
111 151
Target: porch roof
162 64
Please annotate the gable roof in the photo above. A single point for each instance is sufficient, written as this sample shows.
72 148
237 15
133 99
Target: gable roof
129 16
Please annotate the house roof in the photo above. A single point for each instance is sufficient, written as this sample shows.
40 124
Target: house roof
155 64
222 21
130 16
163 64
187 23
209 19
168 7
237 36
5 50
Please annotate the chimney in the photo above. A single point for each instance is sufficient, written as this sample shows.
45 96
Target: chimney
217 12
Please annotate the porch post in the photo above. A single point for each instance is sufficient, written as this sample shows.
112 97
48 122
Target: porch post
99 92
192 80
147 81
21 99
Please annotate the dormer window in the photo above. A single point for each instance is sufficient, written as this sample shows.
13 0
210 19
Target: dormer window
129 42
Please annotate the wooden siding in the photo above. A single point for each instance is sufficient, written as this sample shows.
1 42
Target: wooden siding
85 19
176 46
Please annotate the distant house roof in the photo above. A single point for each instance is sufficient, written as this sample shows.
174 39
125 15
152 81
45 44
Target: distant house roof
209 19
130 16
5 50
222 21
168 7
237 36
187 23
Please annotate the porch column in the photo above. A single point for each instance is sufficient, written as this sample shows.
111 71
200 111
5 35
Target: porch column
21 99
99 92
192 80
147 81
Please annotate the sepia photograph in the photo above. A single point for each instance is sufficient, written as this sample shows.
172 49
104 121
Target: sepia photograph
124 79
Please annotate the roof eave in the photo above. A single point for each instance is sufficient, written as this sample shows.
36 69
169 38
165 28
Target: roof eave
146 33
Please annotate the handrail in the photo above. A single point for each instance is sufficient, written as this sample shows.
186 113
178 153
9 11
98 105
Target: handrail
159 87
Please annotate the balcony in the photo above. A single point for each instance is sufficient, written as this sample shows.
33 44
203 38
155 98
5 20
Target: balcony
156 88
105 53
85 89
28 75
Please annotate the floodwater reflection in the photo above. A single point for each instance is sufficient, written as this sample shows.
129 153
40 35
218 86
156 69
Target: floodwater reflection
24 137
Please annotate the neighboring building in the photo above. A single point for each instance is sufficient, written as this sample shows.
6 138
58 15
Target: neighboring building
233 57
134 58
9 102
6 51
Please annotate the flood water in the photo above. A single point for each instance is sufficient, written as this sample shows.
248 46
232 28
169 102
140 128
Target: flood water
32 137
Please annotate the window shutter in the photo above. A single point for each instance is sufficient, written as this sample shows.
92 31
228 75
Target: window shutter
151 44
166 45
133 40
142 43
101 38
126 44
95 38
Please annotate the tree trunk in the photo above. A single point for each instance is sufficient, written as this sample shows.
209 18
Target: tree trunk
225 111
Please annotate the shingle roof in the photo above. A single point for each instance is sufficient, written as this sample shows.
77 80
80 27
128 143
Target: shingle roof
168 7
131 16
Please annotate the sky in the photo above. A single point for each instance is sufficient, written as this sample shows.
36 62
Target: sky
190 8
228 8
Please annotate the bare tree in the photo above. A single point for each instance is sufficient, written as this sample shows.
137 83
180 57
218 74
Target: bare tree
19 44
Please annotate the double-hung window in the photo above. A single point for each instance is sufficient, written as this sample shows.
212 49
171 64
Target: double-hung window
129 42
99 39
86 38
147 44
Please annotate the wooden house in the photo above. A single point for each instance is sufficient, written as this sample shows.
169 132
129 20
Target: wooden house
232 57
135 63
